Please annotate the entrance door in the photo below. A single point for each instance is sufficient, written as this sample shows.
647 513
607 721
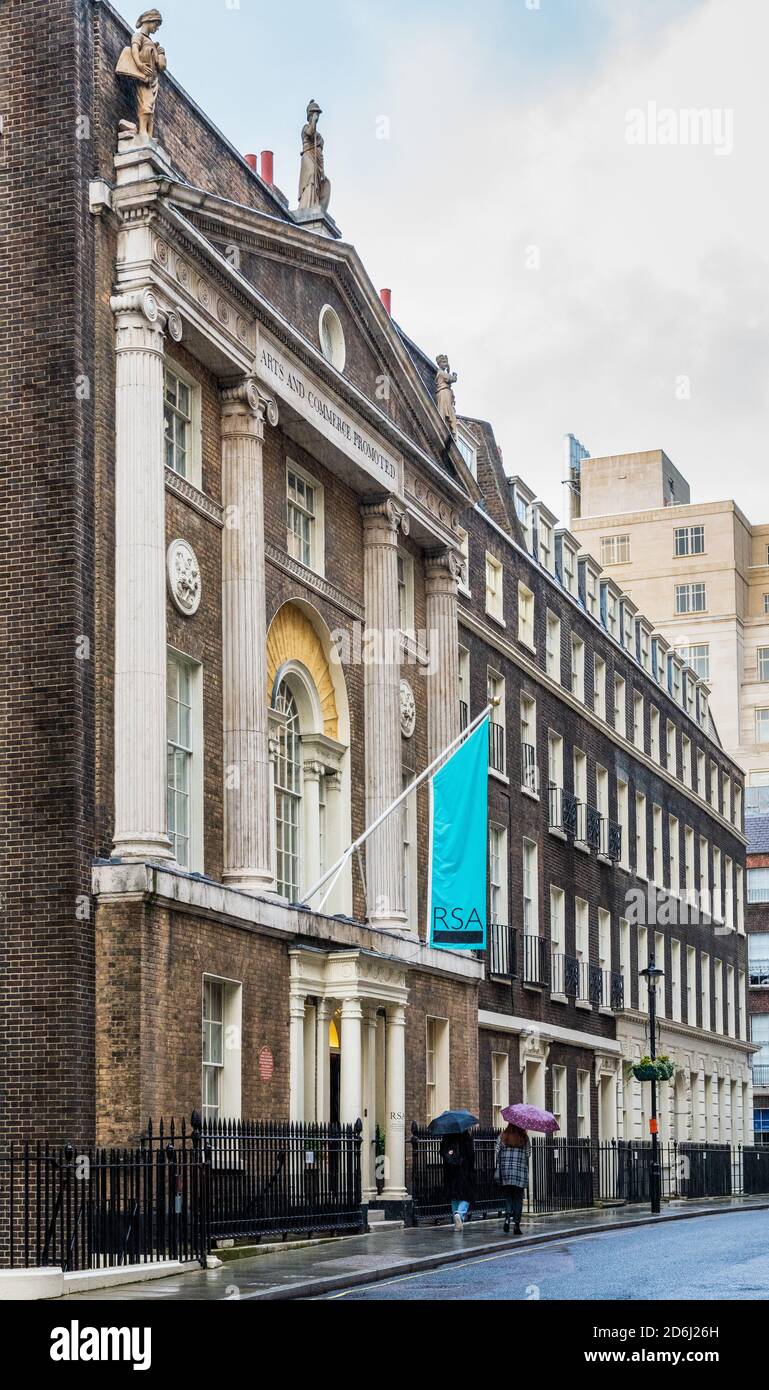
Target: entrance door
335 1078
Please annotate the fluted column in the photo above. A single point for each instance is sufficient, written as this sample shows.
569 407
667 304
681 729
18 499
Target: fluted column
369 1100
247 822
351 1080
296 1008
140 577
382 523
395 1093
323 1013
442 572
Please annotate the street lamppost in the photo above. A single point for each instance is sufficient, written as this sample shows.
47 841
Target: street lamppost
652 974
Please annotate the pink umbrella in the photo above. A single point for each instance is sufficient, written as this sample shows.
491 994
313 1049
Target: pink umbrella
531 1117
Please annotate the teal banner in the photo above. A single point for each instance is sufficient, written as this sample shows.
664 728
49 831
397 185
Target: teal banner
459 832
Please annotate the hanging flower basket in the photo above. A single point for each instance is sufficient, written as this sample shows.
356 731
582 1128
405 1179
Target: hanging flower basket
662 1069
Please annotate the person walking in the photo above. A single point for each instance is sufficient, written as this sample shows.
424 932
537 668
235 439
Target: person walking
458 1158
512 1173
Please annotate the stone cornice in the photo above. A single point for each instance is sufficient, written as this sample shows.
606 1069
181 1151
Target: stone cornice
193 497
531 669
699 1038
296 570
117 882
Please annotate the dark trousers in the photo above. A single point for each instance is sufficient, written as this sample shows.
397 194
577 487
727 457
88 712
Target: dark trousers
514 1203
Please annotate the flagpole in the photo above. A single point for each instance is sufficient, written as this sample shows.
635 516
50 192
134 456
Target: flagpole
336 868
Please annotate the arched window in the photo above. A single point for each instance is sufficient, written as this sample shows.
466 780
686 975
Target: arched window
288 795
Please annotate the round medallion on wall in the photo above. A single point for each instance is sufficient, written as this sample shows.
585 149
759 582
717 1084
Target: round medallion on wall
266 1064
408 710
185 583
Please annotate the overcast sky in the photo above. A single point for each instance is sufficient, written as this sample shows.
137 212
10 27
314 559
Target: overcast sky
579 279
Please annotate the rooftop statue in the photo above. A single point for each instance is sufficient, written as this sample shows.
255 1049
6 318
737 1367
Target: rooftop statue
444 394
314 187
142 62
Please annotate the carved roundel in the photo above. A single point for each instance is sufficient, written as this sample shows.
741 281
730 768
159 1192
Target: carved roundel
185 583
408 710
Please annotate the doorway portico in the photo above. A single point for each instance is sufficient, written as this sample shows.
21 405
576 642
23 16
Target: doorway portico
348 1054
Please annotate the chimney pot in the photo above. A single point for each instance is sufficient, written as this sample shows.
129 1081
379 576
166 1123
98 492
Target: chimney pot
267 167
387 299
251 161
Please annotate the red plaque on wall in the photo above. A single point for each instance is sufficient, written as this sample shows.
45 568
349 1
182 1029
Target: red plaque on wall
266 1064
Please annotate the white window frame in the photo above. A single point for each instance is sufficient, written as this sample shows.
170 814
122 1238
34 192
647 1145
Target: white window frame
194 754
495 599
194 447
223 1056
615 550
437 1066
317 544
498 874
578 669
599 686
553 647
406 593
500 1087
526 616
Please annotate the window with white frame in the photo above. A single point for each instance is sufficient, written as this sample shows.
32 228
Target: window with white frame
602 804
639 738
718 903
557 923
714 784
642 949
737 806
555 758
675 981
583 1104
611 612
623 818
530 889
659 862
599 687
671 760
500 1087
498 874
705 993
304 518
763 663
221 1050
553 650
620 706
181 424
406 592
674 834
624 959
468 451
641 861
529 764
495 688
604 943
569 565
690 598
494 596
726 796
691 986
689 865
525 615
288 795
546 558
580 776
705 900
659 957
523 512
184 788
729 893
762 726
591 592
437 1066
559 1101
644 648
578 669
464 687
766 603
690 540
697 655
686 759
758 886
654 725
739 874
615 550
675 681
701 773
731 1009
582 931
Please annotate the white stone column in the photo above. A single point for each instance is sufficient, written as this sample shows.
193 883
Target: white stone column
442 573
309 1049
395 1091
313 771
369 1100
323 1014
350 1098
296 1057
382 523
247 821
140 577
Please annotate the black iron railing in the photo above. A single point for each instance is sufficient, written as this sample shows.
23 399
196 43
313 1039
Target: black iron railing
759 973
593 826
760 1072
564 977
611 839
497 747
563 810
591 984
535 960
613 990
502 951
529 769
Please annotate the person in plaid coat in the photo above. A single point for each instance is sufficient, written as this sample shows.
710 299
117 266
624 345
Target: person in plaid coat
511 1171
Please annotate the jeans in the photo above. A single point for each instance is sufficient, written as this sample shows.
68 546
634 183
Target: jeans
461 1207
513 1203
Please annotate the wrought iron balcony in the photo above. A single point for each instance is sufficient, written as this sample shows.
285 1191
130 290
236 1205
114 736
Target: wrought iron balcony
588 826
497 747
587 983
535 960
529 769
590 983
613 990
502 952
563 810
611 839
761 1076
565 975
759 973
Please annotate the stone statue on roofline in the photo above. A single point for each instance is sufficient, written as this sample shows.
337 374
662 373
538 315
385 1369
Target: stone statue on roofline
444 393
314 187
142 62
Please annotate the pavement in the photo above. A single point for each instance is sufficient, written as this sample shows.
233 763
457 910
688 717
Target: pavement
317 1270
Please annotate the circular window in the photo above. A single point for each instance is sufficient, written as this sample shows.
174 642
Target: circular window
332 343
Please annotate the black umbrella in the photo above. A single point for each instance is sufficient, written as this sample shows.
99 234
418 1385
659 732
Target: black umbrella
452 1122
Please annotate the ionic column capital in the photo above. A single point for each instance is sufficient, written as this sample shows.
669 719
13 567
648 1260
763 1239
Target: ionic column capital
383 521
443 571
140 308
352 1009
245 407
396 1015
